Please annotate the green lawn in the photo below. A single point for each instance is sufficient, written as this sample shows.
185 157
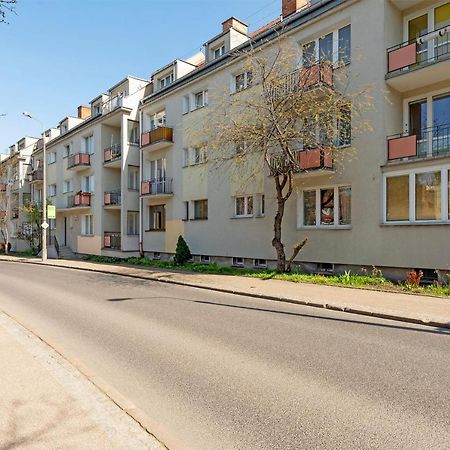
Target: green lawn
366 281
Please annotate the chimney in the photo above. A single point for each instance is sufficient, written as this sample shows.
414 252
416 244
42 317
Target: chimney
84 112
237 24
291 6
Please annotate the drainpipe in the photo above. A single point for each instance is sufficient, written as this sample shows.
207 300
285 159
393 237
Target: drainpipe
141 218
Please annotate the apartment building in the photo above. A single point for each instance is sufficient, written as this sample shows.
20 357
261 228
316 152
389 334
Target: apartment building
386 207
127 178
15 189
93 174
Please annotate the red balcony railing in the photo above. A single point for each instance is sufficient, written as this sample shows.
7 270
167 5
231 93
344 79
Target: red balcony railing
77 200
160 134
155 187
112 198
2 187
112 240
79 159
317 158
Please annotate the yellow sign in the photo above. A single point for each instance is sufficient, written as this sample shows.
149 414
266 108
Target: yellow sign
51 212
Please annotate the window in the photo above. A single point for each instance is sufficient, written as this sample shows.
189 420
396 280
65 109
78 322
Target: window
88 184
88 145
201 99
428 196
238 262
67 186
200 209
344 36
199 155
51 157
326 207
156 256
96 110
158 120
262 205
334 47
397 198
133 178
51 190
166 81
243 81
87 225
417 196
240 147
134 134
218 52
186 104
157 169
132 223
205 259
67 150
243 206
260 263
157 220
186 210
52 224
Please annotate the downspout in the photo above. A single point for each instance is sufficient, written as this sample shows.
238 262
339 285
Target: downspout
141 203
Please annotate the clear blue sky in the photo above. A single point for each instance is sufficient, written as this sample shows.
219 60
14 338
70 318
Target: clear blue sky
58 54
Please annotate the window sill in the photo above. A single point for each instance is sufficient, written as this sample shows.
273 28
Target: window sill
88 235
325 227
197 108
153 230
417 223
243 217
198 219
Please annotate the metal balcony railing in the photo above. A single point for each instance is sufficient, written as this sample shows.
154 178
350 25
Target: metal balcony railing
414 54
36 175
79 159
112 198
112 153
79 200
155 187
112 240
425 143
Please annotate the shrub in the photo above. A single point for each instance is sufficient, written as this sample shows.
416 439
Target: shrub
413 278
182 252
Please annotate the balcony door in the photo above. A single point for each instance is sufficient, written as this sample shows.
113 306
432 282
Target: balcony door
418 27
418 122
441 20
441 124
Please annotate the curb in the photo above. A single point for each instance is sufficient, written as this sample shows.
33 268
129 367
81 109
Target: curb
348 310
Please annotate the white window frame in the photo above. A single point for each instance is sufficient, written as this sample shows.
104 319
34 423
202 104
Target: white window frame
51 158
412 195
51 192
205 259
246 85
67 186
198 155
246 199
204 94
132 230
220 49
236 263
166 80
318 225
258 264
335 51
88 184
186 104
133 178
87 225
88 145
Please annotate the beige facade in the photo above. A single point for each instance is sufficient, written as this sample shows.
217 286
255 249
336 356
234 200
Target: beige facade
386 207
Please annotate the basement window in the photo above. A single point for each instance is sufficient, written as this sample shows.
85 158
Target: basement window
238 262
156 256
260 263
205 259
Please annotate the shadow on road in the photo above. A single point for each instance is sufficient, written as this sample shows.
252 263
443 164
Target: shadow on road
288 313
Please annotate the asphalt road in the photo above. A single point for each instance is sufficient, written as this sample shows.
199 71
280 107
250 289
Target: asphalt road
217 371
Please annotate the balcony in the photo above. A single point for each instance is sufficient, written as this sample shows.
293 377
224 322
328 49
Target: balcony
419 63
112 198
430 142
2 187
157 138
112 155
112 240
79 161
160 188
15 213
36 176
82 200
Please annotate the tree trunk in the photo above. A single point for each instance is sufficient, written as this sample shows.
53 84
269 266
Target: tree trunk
277 227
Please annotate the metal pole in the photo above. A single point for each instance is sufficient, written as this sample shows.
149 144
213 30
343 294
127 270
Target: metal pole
44 203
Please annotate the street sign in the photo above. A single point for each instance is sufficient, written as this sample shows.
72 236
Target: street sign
44 225
51 212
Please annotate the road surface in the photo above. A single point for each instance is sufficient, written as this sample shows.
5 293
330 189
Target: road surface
217 371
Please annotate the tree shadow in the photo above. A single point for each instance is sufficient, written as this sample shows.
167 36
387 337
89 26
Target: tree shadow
442 331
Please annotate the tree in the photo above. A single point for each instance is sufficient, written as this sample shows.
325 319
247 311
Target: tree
31 230
182 252
281 121
6 7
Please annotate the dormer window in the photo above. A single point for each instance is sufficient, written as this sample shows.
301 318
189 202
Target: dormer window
218 52
165 81
97 109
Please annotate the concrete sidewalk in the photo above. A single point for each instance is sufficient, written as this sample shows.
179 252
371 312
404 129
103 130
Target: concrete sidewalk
419 309
46 403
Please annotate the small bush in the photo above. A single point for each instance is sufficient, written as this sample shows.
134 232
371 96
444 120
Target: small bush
182 252
413 278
